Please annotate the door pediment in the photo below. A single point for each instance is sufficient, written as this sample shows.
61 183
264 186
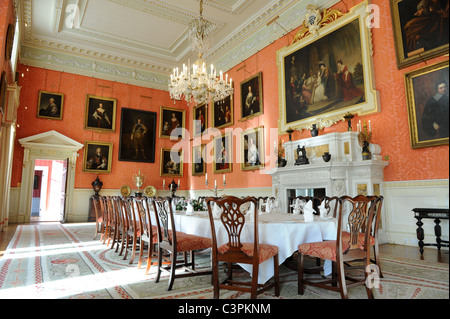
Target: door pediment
51 140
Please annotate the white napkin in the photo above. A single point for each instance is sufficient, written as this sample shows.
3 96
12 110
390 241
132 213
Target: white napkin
251 208
216 211
308 212
323 211
298 206
269 205
189 210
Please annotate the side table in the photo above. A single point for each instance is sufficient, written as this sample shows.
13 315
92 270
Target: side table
431 213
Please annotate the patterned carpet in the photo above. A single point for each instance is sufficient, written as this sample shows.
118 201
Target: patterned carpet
63 261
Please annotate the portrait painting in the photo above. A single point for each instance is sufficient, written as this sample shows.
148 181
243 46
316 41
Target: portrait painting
420 30
97 157
324 77
50 105
200 119
252 149
428 105
137 136
172 123
171 162
100 113
199 160
223 112
223 153
252 97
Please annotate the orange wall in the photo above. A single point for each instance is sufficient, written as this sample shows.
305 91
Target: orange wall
75 88
390 126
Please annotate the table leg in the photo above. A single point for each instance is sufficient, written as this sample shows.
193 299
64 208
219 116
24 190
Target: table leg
437 232
420 234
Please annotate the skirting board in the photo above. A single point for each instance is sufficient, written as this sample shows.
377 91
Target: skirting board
401 198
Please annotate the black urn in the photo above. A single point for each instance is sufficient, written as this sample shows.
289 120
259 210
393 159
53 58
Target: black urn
326 156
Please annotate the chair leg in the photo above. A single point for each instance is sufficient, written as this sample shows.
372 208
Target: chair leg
158 273
366 274
133 251
377 259
254 289
276 275
172 270
141 252
300 288
149 258
341 279
215 278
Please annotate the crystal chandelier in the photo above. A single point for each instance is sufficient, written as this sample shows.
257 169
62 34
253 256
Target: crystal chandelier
197 84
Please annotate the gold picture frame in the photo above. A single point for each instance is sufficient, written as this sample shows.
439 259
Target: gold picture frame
420 33
342 48
100 113
171 163
97 157
50 105
200 119
222 112
223 153
252 103
427 106
199 160
252 149
172 119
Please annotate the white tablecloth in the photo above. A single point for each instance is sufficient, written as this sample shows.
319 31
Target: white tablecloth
286 231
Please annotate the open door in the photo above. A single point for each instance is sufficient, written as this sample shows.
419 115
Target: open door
64 191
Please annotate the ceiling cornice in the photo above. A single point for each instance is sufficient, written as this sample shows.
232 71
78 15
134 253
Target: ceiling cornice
117 61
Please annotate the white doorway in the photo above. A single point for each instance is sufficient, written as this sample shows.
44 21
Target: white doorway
48 190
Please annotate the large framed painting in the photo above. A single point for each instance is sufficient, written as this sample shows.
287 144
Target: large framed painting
222 114
172 123
100 113
223 153
137 136
199 160
171 162
50 105
200 119
427 102
323 77
420 30
252 149
97 157
252 103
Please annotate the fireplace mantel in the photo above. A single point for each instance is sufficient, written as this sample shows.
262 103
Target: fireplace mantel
345 174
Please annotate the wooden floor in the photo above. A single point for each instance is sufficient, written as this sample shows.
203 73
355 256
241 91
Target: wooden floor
430 254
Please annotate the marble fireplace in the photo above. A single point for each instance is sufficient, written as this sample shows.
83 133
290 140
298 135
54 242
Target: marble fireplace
345 174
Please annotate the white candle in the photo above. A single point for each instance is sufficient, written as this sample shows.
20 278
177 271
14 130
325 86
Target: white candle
164 183
178 183
206 177
215 183
370 127
360 127
223 179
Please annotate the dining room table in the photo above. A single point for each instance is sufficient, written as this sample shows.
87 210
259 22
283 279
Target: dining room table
284 230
